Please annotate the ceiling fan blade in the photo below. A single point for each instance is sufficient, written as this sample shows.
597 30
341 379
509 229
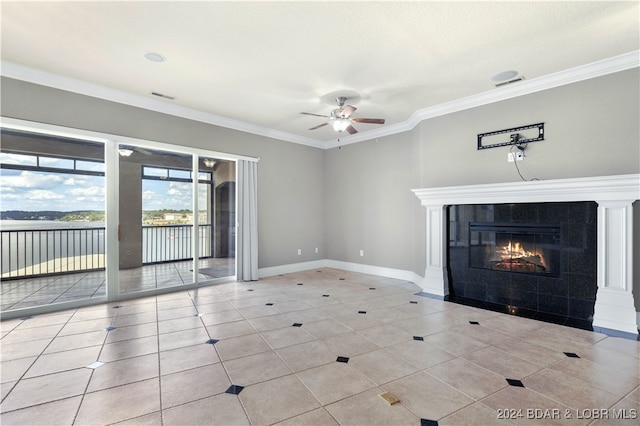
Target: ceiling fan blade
315 115
352 130
318 126
369 120
347 111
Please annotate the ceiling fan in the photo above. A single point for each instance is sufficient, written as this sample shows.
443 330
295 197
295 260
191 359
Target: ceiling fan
340 118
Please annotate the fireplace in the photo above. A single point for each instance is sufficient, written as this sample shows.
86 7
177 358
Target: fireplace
612 265
521 248
534 259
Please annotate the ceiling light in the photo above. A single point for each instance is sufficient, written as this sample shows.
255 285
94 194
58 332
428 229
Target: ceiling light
154 57
504 75
209 162
124 152
340 124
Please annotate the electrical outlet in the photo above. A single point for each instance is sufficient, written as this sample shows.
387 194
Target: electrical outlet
316 249
361 252
299 252
519 156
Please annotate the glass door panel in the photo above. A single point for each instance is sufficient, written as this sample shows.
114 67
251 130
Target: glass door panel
52 192
156 219
217 213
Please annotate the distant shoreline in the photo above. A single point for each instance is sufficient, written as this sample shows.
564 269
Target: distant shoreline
53 215
16 225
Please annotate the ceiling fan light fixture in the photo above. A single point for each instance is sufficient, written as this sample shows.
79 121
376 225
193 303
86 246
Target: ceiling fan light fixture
340 124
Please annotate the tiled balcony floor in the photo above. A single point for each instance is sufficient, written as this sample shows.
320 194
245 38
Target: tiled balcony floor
46 290
309 348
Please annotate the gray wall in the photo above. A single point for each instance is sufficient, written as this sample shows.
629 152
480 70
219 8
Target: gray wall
291 186
591 129
368 204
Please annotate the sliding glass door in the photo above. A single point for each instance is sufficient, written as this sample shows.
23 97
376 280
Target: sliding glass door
84 218
156 219
167 220
52 193
217 217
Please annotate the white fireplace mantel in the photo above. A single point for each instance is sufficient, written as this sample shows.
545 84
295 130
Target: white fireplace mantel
614 309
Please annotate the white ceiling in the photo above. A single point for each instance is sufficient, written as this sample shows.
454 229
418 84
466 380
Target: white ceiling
259 64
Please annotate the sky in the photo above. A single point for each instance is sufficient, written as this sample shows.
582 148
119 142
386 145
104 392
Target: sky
36 191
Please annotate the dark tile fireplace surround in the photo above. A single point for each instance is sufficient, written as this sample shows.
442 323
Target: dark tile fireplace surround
535 260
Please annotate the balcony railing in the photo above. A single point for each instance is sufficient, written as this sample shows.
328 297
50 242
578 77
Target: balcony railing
173 242
36 252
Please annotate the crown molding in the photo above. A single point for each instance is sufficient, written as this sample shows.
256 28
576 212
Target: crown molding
82 87
573 75
596 69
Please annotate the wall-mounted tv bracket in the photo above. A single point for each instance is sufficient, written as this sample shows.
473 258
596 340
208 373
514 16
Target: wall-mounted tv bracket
517 136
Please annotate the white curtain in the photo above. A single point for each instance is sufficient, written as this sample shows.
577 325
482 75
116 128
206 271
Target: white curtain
247 250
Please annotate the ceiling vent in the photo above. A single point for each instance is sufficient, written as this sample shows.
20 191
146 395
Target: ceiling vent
160 95
509 81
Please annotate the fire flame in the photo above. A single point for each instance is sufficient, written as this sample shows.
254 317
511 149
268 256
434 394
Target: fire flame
515 250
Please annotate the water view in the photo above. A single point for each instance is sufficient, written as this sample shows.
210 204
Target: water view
36 247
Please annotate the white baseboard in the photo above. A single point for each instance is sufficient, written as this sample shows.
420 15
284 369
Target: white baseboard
347 266
292 267
380 271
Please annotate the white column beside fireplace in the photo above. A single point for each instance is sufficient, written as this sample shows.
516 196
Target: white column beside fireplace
614 307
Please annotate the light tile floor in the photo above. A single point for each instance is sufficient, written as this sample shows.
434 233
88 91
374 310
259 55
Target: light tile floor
310 348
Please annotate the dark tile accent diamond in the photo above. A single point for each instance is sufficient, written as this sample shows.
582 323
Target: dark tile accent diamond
325 295
297 324
372 288
474 323
212 341
571 355
300 284
420 338
249 289
341 279
268 304
343 359
427 422
414 302
117 306
514 382
234 389
110 328
362 312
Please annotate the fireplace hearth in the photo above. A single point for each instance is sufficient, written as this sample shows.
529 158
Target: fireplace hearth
537 260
